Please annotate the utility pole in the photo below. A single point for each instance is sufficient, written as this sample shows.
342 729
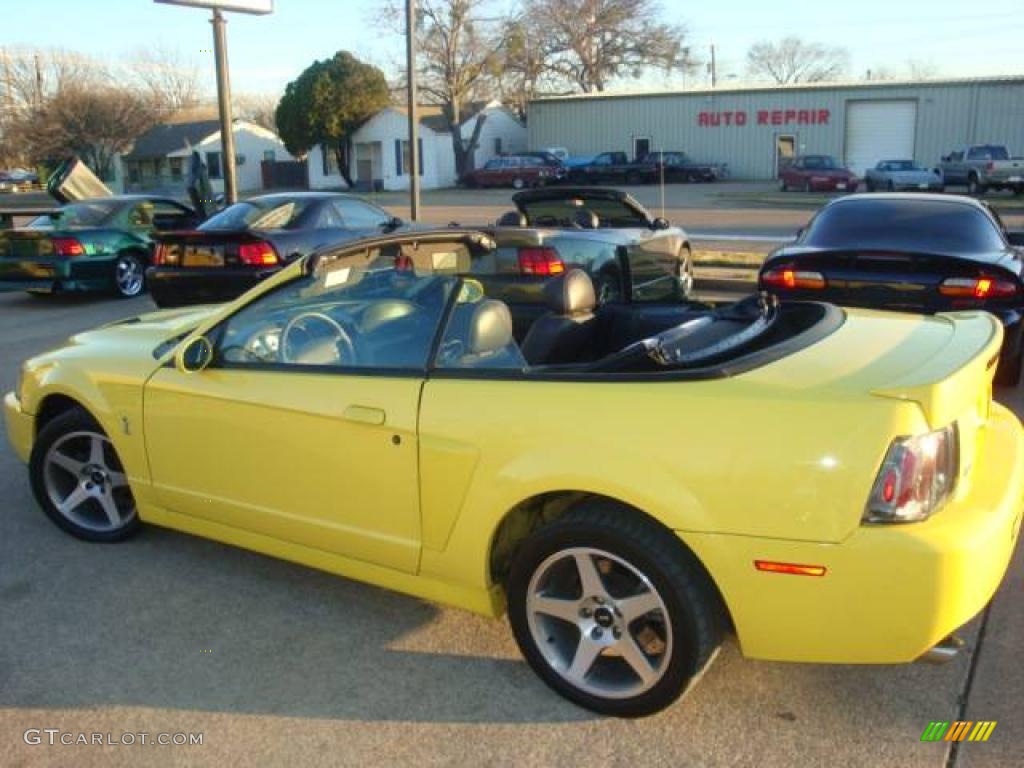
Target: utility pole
714 72
414 121
227 134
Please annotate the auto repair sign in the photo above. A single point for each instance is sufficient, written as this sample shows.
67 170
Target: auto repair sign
763 117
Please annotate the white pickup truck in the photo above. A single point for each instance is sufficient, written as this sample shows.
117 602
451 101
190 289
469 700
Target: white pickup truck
981 167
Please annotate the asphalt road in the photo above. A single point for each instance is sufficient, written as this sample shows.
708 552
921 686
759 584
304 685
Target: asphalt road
278 665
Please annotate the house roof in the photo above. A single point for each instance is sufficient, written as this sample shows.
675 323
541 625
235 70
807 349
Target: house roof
432 115
162 140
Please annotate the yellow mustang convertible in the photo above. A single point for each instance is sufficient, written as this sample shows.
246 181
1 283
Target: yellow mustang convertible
631 481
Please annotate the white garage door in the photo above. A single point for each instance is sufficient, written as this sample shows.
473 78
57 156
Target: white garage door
879 130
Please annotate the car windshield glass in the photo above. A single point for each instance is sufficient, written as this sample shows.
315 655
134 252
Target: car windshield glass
821 163
263 214
915 225
902 165
93 213
562 212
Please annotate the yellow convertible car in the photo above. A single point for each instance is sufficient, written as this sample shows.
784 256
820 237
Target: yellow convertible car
630 482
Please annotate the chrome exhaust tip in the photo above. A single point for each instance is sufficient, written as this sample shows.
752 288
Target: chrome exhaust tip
944 651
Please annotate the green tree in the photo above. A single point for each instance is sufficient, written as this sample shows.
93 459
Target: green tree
327 103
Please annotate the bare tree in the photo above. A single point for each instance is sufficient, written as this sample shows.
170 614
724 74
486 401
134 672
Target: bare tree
171 82
792 60
591 42
30 76
257 108
94 122
458 49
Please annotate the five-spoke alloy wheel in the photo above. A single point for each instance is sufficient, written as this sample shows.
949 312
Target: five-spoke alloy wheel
612 611
79 481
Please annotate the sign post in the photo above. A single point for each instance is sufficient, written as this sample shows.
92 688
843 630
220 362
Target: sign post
220 54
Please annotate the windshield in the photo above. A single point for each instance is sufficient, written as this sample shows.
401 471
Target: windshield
93 213
563 212
900 165
821 163
258 215
930 226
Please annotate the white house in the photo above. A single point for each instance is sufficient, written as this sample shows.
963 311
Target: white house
158 161
381 149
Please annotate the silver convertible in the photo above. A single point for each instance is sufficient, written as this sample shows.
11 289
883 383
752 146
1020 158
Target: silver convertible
893 175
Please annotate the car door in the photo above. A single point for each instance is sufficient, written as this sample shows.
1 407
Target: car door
955 171
291 433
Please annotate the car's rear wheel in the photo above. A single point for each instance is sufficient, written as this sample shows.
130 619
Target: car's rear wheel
611 611
129 276
975 187
79 481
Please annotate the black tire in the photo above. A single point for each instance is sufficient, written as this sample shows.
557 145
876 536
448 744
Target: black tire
890 187
783 187
129 275
974 187
73 421
695 615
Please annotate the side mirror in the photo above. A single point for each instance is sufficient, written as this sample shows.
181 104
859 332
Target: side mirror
194 356
394 223
660 223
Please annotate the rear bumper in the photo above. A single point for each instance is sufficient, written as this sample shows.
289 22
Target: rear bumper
19 426
172 287
890 593
55 275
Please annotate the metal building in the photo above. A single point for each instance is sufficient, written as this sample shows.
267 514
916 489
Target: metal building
753 129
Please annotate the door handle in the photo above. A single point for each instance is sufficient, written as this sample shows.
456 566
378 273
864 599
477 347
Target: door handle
365 415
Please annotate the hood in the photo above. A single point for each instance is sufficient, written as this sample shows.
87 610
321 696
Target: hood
918 175
142 334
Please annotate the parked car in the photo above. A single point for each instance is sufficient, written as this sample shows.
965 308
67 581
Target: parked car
560 153
630 256
251 240
981 167
899 175
817 173
912 253
99 244
17 180
612 167
677 166
516 171
417 446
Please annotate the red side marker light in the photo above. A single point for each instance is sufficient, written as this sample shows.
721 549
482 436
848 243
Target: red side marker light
794 569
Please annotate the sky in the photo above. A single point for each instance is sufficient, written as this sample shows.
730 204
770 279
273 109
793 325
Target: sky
265 52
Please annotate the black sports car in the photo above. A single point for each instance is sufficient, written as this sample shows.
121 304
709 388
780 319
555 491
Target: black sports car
908 252
246 242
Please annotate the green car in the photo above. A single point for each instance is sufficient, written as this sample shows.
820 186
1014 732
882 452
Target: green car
96 244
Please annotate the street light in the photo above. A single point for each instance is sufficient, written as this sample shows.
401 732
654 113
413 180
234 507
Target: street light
220 54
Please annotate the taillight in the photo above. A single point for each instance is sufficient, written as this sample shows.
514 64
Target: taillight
978 288
792 279
917 476
67 246
540 261
165 255
261 254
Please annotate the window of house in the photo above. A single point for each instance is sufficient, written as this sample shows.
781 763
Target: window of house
269 155
213 165
176 165
329 161
402 161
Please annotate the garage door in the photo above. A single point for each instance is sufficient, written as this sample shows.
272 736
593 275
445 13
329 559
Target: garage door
879 130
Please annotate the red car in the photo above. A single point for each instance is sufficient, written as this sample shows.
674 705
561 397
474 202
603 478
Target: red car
818 173
516 171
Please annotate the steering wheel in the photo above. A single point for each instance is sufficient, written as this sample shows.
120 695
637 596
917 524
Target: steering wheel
333 348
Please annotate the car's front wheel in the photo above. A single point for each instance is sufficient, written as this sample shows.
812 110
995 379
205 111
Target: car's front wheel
611 611
79 481
129 276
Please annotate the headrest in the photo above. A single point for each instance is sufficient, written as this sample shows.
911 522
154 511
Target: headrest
584 219
512 219
490 328
570 294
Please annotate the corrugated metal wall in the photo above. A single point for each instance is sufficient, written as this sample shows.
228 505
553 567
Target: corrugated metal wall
948 114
